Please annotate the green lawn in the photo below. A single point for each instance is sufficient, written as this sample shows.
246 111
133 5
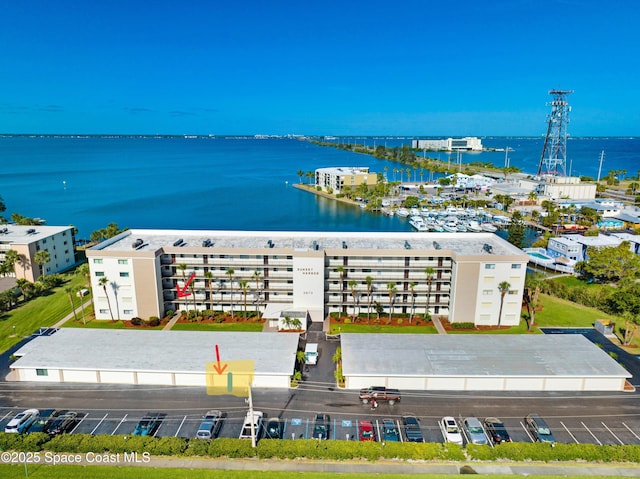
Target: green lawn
558 312
239 326
121 472
43 311
365 328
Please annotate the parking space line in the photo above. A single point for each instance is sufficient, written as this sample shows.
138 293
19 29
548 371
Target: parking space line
7 415
96 428
569 432
180 426
78 423
629 429
526 431
592 434
119 424
613 434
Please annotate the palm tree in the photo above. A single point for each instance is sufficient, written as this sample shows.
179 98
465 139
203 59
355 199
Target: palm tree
41 258
531 297
391 287
209 277
182 268
256 275
352 287
230 272
70 290
430 272
103 282
78 290
300 173
503 287
369 281
340 270
412 287
244 286
11 258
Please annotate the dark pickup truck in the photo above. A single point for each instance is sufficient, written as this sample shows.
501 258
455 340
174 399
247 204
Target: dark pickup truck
379 393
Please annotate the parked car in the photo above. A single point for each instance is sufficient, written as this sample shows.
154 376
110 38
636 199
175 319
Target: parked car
321 427
22 421
245 433
496 430
365 431
475 433
63 423
412 431
40 424
148 425
210 425
273 429
450 430
390 431
539 429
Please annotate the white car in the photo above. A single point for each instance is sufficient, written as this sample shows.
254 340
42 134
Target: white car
22 421
245 433
450 430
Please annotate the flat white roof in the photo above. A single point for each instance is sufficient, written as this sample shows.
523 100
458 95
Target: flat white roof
475 355
461 243
18 234
157 351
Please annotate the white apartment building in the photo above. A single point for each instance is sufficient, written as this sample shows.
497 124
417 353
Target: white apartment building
28 240
452 275
337 178
468 143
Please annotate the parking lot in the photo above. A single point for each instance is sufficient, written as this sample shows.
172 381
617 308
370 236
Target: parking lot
589 430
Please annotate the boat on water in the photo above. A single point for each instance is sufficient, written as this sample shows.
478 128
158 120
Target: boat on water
473 226
418 223
488 227
450 227
403 212
461 228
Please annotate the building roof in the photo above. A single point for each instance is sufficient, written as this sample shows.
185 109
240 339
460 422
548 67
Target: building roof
158 351
458 355
461 243
18 234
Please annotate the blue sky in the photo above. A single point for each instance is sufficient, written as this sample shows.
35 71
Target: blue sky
454 67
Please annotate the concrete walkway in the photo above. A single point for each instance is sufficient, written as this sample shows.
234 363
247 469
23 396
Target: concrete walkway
438 325
171 322
70 316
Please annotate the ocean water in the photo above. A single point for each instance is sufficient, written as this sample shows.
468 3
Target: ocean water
245 184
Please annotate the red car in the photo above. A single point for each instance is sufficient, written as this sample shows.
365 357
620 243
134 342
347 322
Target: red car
366 432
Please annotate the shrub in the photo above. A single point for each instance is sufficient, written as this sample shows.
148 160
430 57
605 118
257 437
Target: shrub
170 313
232 448
136 321
463 325
153 321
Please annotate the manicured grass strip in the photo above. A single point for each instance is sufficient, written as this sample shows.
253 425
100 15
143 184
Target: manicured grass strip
558 312
240 326
95 324
111 472
43 311
364 328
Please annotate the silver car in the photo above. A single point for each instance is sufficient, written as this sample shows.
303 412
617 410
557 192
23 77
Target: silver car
474 430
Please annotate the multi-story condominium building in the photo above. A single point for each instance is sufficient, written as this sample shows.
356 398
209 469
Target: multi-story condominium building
337 178
26 241
468 143
458 276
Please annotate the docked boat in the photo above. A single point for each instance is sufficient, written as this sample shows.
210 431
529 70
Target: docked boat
488 227
473 226
403 212
418 223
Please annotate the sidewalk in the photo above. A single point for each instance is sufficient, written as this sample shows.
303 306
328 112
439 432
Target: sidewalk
69 316
438 325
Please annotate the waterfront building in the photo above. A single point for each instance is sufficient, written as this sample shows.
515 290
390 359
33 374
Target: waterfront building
58 241
575 247
337 178
455 276
468 143
565 187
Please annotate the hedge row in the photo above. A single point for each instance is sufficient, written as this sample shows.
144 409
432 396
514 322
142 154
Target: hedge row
312 449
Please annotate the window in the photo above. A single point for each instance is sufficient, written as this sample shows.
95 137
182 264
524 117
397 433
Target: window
104 311
516 266
97 260
124 274
128 311
42 372
513 291
123 261
487 292
489 266
99 273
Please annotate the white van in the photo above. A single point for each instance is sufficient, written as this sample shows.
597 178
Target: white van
311 353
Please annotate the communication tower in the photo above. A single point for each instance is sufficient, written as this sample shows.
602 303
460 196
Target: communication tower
553 160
